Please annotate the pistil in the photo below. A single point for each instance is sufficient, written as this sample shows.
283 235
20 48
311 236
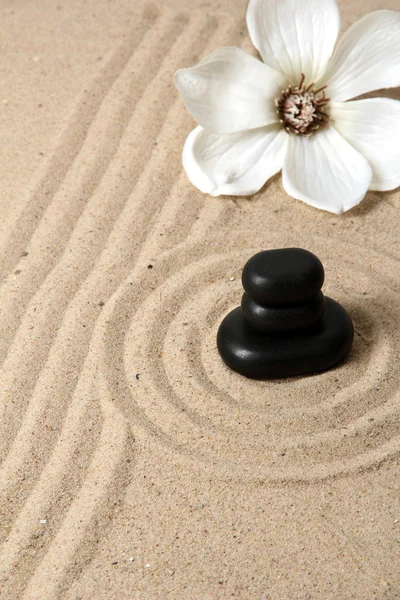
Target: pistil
302 109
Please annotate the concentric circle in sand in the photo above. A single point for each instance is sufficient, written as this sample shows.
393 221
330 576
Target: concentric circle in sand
285 429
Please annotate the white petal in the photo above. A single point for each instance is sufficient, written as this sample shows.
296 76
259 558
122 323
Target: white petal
230 91
294 36
325 171
367 57
236 164
373 128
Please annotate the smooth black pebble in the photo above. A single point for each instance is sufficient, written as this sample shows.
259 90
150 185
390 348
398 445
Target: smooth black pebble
267 340
281 277
278 319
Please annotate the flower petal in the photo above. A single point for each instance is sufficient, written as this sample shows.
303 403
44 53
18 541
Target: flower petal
294 36
367 57
237 164
373 127
325 171
230 91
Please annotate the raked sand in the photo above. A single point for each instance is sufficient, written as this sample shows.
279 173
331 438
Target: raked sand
134 465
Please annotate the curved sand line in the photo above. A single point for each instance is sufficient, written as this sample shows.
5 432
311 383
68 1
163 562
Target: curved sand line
101 163
62 354
22 534
110 197
73 381
185 420
69 143
96 497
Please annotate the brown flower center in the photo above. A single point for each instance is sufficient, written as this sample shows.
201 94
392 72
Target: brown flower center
302 109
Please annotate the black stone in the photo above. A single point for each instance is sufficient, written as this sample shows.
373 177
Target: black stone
276 319
283 277
263 339
261 356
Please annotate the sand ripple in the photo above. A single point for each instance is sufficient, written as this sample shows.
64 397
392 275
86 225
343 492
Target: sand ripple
302 429
65 444
116 276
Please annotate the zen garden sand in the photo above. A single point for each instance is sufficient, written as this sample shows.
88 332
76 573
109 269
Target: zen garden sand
134 464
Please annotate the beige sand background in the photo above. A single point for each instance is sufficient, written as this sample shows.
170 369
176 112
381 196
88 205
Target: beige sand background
133 464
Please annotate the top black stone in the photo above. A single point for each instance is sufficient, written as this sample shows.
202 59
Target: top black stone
283 277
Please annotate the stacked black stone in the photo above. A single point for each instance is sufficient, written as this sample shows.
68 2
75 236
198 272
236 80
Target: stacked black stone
285 325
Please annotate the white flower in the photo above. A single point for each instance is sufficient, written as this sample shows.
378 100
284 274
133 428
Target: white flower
290 112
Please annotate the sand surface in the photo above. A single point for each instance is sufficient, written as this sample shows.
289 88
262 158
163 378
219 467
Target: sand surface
134 465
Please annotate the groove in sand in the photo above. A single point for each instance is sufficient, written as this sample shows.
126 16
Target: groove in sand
69 142
93 315
174 411
101 163
23 532
48 304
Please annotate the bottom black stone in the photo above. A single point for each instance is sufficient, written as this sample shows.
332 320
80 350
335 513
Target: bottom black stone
260 356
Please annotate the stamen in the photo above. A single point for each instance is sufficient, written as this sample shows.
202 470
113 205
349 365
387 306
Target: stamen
320 89
300 108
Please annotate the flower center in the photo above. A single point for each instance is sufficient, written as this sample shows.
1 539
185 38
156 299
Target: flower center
301 109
